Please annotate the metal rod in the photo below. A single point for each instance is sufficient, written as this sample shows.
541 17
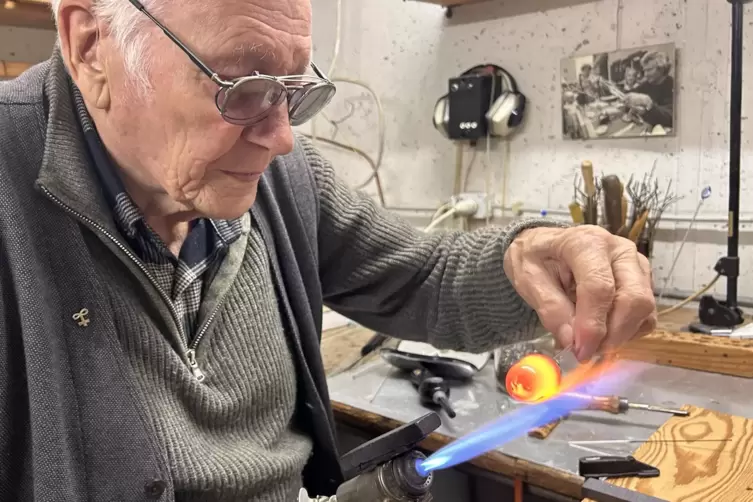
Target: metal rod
736 91
660 409
631 441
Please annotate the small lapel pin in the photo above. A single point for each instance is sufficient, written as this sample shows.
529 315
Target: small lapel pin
82 316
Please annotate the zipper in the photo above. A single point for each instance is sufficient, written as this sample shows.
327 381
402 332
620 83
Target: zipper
203 330
191 350
197 373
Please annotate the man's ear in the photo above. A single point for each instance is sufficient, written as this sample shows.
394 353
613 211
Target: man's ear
82 50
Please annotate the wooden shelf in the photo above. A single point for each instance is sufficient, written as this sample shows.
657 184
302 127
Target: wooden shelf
12 69
27 14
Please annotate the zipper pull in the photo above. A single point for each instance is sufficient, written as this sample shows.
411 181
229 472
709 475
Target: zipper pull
197 373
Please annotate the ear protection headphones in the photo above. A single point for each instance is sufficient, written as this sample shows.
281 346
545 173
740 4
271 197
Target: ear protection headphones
503 116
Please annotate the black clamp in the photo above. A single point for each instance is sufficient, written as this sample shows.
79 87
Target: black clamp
592 468
601 491
728 266
615 467
388 446
713 312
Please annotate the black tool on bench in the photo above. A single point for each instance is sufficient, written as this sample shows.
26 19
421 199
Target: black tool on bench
384 469
615 467
373 344
432 390
601 491
445 367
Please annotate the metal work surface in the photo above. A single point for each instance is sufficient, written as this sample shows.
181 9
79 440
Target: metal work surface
379 389
599 490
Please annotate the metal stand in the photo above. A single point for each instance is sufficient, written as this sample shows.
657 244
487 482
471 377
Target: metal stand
713 312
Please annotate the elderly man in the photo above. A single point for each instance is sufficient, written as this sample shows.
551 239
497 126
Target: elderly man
167 245
654 98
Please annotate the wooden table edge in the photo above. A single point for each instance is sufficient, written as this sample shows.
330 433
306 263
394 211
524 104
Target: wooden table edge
556 480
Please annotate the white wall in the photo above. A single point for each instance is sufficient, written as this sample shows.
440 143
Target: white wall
407 50
25 44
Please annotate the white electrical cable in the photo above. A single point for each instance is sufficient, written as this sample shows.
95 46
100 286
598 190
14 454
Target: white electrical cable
469 169
705 194
488 181
440 211
381 125
333 61
338 38
434 224
505 174
488 166
464 208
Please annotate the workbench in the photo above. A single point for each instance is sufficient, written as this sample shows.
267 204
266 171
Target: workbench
374 398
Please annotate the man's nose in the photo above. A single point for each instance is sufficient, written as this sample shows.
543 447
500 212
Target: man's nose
273 133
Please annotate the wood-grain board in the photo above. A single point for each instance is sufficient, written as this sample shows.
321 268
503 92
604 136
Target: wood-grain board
694 465
693 351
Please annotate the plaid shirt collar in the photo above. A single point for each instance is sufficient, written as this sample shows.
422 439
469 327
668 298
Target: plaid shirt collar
206 237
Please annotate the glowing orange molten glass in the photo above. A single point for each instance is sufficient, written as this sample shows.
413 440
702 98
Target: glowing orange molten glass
534 378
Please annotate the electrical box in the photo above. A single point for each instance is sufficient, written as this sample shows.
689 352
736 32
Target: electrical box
481 199
470 97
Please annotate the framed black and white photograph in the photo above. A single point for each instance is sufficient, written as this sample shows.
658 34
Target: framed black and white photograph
622 94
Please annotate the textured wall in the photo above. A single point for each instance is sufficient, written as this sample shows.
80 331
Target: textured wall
24 44
407 50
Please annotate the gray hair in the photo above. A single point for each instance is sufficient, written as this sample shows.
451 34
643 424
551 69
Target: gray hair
660 58
124 22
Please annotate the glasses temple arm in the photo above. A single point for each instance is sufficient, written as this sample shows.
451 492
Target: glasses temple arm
319 73
198 62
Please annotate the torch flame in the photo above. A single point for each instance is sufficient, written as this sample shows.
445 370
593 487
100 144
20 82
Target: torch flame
538 377
598 377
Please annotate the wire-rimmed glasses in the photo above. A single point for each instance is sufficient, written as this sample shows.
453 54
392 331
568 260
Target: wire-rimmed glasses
248 100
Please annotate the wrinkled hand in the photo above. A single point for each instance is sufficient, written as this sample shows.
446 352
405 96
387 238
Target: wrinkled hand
639 101
591 289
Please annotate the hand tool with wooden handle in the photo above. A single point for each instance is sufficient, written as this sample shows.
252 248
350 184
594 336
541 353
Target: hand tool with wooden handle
617 404
638 226
374 343
546 429
591 208
576 212
612 187
587 169
624 230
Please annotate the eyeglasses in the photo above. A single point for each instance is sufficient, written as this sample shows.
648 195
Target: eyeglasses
248 100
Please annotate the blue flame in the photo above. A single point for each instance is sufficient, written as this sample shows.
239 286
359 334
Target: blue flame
517 423
420 469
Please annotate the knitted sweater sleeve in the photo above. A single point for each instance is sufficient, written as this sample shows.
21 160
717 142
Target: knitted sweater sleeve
448 289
